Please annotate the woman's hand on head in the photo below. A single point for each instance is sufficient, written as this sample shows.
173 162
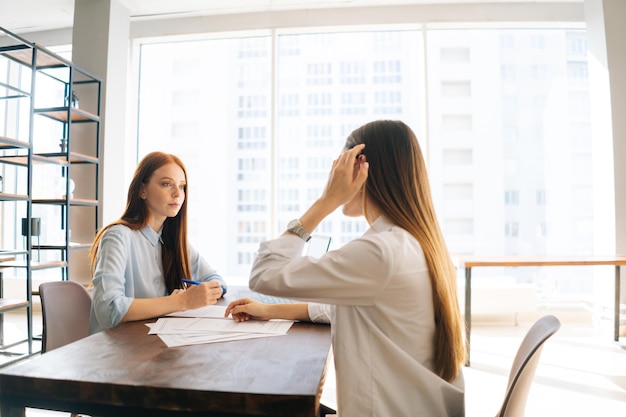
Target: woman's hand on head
247 309
347 176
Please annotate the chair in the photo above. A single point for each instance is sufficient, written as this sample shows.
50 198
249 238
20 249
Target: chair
524 366
65 309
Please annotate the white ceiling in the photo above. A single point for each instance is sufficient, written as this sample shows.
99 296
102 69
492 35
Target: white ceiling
21 16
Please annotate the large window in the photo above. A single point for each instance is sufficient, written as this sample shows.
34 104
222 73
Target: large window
502 116
210 103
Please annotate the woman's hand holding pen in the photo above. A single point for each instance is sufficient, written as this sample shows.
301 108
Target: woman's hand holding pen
205 293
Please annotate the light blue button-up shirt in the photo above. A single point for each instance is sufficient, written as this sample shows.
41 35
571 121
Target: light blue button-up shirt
129 266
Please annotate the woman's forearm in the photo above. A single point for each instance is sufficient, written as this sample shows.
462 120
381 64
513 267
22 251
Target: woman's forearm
295 311
147 308
316 214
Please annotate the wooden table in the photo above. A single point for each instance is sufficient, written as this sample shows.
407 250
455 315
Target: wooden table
126 372
469 262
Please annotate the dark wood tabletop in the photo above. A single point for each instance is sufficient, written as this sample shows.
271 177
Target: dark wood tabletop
126 372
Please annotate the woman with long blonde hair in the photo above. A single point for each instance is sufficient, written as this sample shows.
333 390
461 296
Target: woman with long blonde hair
389 295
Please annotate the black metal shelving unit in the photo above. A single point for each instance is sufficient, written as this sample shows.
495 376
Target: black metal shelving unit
39 93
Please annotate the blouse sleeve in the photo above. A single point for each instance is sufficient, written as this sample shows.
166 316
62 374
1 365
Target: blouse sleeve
321 313
110 303
350 275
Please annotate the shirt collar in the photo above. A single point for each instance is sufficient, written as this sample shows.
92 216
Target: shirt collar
153 237
381 224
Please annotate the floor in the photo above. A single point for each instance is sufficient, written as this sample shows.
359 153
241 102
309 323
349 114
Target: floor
582 371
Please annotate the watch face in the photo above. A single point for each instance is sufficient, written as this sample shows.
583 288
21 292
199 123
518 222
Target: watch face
294 226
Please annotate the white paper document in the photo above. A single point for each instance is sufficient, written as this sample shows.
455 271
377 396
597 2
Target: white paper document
173 325
173 340
180 331
211 311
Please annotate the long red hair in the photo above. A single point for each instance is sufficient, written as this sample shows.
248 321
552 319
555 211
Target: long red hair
175 253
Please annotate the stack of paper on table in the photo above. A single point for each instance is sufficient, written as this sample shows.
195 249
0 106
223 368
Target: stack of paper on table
208 325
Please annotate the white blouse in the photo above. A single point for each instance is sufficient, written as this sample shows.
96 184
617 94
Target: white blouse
382 324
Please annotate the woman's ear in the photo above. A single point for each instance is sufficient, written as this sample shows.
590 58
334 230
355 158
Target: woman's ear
142 192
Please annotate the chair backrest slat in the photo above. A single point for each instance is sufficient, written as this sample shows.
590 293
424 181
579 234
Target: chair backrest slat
525 365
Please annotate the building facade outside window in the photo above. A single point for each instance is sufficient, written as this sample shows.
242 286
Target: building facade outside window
499 112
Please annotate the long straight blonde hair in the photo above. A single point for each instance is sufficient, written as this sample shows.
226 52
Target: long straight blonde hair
398 184
175 253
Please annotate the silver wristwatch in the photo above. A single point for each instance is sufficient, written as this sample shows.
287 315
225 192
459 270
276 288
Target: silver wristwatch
295 227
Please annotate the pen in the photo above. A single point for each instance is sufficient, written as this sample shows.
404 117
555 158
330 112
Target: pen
192 282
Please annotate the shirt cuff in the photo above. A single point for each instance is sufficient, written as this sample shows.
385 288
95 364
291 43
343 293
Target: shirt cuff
320 313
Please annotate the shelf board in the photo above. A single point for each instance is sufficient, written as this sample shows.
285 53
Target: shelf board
13 197
81 158
11 252
79 246
7 49
24 55
45 159
61 158
9 143
13 264
6 258
8 304
71 246
83 202
37 266
17 160
60 114
63 201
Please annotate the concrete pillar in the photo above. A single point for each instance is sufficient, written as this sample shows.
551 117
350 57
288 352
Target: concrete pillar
100 41
606 35
100 45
